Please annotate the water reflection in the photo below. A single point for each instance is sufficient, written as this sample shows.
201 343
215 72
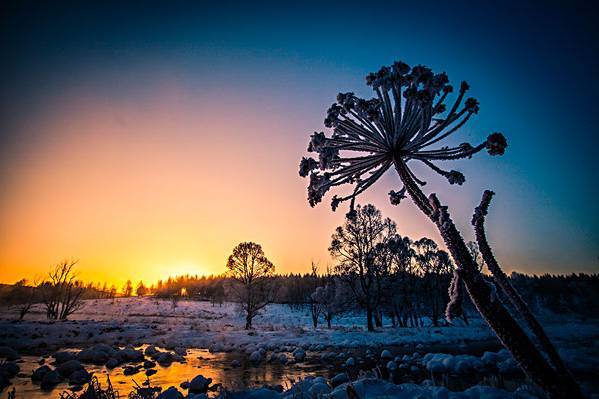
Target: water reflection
199 361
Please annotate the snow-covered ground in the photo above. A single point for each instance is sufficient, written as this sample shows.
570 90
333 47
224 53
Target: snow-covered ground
138 321
281 331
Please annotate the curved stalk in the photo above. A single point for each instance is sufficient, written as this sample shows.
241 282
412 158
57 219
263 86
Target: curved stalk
478 220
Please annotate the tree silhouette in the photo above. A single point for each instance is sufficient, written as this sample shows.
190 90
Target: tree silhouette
251 270
409 115
358 246
62 294
141 289
128 288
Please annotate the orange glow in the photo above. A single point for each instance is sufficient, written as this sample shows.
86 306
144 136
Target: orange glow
150 189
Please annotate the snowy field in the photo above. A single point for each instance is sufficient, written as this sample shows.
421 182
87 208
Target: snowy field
194 324
284 343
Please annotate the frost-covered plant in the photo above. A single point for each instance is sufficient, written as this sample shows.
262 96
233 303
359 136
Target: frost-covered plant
405 123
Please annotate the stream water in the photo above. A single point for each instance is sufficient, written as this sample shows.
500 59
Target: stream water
218 367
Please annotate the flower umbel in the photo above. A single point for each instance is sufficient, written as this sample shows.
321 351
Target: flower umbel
408 115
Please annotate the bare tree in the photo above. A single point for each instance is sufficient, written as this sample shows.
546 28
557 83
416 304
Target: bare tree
331 298
24 296
357 247
62 293
315 306
250 270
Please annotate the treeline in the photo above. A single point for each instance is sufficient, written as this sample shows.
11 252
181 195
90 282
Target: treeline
377 272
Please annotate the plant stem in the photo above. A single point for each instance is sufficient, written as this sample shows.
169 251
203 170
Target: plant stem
511 335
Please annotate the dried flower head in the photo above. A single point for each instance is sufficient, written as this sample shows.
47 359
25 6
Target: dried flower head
409 114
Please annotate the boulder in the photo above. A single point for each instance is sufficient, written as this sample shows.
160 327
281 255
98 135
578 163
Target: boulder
8 353
339 379
319 390
9 369
171 393
165 358
199 384
69 367
40 372
299 355
386 354
112 363
63 356
256 357
50 380
148 364
131 370
79 377
151 351
181 351
130 355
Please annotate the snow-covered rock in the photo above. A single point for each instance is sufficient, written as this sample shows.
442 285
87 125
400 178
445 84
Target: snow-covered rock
339 379
256 357
299 355
319 390
391 365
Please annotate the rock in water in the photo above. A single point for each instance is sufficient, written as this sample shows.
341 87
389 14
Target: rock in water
256 357
299 355
40 372
79 377
199 384
171 393
63 356
8 353
69 367
112 363
50 380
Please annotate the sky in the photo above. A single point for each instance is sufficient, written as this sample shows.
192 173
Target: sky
148 139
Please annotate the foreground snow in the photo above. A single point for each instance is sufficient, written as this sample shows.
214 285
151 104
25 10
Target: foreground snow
285 337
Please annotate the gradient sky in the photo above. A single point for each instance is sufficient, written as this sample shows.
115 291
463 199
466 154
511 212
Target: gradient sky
147 140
